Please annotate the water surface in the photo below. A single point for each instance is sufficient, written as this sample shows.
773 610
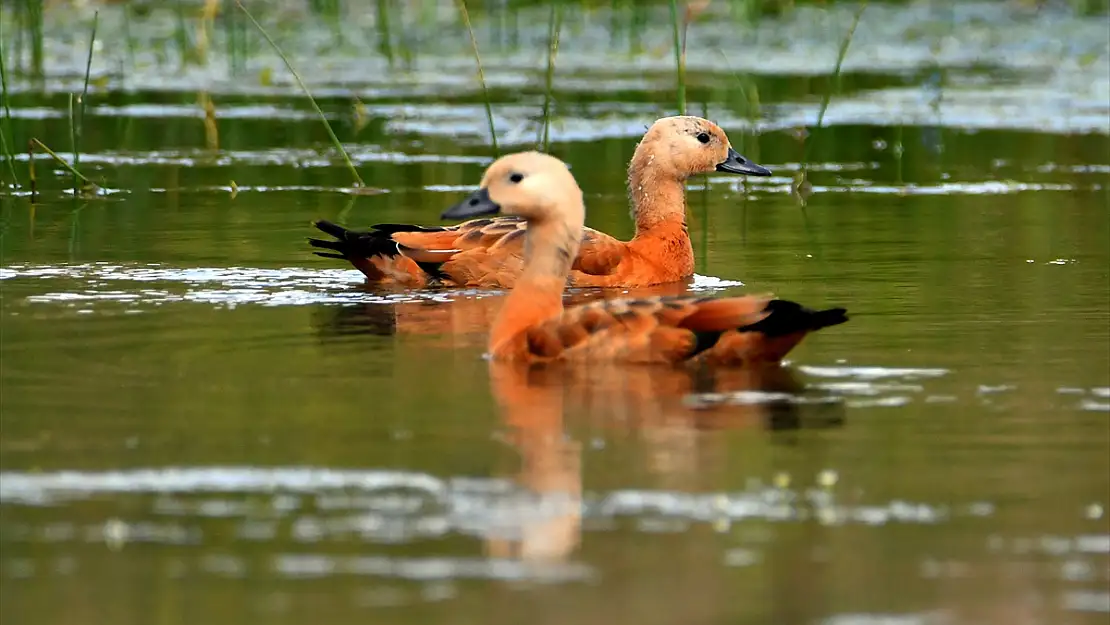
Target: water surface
202 422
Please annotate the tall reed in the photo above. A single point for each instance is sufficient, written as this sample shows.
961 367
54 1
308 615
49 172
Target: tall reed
7 139
127 34
205 27
554 27
181 34
77 123
834 85
481 76
679 59
236 39
692 9
385 41
323 118
34 25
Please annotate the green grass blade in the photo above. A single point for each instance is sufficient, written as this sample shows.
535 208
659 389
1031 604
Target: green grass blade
128 36
297 77
34 15
680 66
385 41
552 51
73 143
834 82
481 76
78 127
7 139
61 161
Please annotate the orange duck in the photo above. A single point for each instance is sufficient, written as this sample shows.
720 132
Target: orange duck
533 325
488 252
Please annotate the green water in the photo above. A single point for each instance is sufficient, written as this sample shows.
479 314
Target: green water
200 421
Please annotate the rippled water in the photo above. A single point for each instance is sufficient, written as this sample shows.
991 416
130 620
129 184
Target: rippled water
203 422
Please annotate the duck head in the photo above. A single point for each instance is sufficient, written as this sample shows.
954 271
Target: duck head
533 185
684 146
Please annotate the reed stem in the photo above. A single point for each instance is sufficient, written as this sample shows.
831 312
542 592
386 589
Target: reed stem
552 50
834 82
481 76
77 125
331 133
73 141
61 161
679 60
31 168
7 139
127 35
34 14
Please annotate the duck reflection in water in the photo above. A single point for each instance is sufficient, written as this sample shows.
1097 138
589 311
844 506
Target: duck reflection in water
675 412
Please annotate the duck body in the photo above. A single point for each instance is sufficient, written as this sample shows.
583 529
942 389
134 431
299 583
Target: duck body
534 326
670 329
488 252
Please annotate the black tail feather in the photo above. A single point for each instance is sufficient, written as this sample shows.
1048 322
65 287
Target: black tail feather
353 244
328 227
377 241
786 317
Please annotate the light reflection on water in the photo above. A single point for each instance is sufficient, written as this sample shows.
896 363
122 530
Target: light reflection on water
232 286
198 507
436 506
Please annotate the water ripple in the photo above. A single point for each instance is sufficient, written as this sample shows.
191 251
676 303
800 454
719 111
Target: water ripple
431 568
429 506
232 286
278 156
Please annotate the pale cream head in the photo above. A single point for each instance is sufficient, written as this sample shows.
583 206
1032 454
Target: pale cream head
684 145
536 186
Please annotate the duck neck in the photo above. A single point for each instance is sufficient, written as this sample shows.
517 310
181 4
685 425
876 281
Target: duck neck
658 195
549 251
659 208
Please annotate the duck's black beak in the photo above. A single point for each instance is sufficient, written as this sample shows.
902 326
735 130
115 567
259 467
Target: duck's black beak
475 205
737 164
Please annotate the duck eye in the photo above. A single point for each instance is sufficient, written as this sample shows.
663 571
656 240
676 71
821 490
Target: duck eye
515 178
703 137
